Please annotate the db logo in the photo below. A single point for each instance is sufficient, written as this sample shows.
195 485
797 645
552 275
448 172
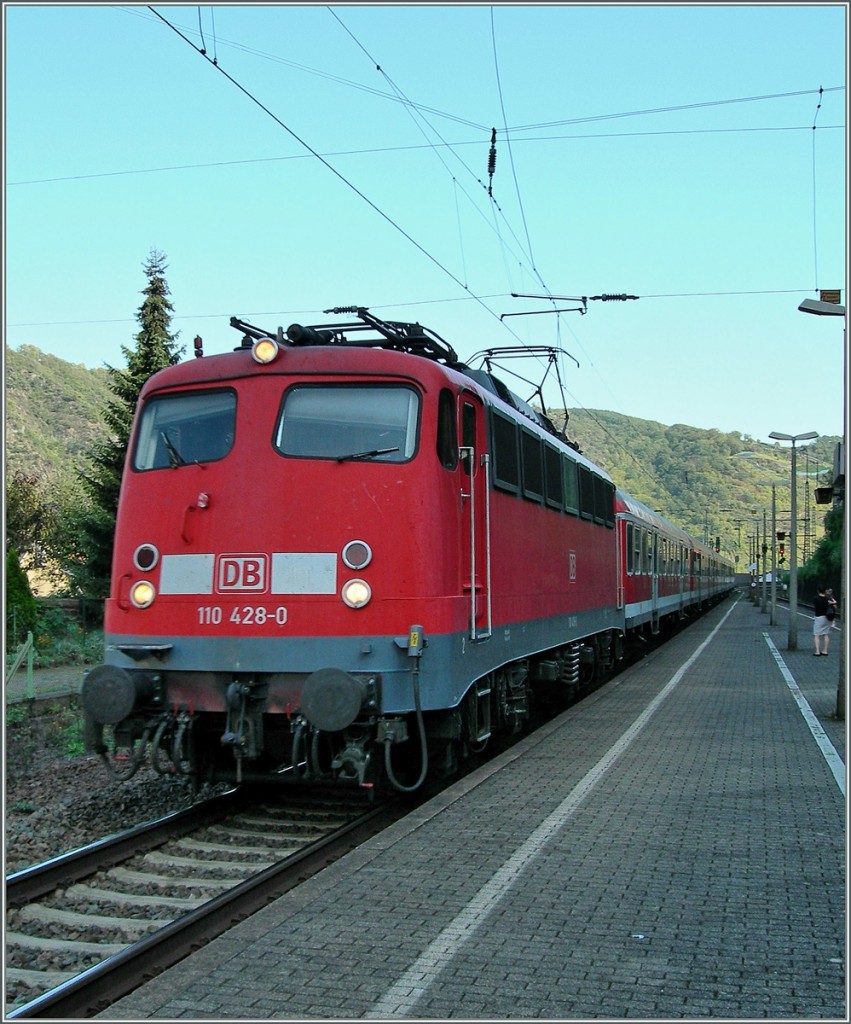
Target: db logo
247 573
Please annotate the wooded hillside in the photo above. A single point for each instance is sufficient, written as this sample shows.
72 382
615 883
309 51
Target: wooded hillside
714 484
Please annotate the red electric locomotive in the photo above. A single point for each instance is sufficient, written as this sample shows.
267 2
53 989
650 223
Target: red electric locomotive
341 553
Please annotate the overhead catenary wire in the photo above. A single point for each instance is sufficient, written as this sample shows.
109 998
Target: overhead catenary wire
671 108
815 244
330 167
417 114
510 152
208 42
402 304
402 149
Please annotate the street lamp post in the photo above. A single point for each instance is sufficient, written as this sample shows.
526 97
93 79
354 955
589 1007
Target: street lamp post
819 307
793 546
773 617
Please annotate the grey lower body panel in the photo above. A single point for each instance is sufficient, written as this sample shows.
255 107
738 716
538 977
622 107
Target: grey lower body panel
449 664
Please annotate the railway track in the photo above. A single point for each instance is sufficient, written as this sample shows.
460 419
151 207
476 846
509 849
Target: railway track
86 928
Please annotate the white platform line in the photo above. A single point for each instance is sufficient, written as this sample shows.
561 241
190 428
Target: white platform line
402 997
834 761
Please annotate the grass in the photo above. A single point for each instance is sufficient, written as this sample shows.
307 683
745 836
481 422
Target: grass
57 729
60 640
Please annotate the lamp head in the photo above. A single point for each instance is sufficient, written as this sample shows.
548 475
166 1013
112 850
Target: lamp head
819 308
809 436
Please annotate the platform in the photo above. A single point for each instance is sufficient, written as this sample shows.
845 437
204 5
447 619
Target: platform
671 847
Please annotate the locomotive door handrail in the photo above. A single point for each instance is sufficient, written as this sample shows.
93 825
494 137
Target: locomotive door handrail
468 452
486 466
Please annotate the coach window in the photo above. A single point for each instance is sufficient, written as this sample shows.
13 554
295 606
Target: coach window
609 514
185 429
370 423
638 561
553 487
447 436
629 543
600 496
506 456
586 493
571 487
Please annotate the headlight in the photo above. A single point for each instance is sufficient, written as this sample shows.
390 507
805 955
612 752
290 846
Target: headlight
264 350
356 593
142 594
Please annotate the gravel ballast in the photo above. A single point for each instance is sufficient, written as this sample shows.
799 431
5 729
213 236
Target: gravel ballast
56 799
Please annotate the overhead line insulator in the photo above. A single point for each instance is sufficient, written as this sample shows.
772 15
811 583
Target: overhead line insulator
491 162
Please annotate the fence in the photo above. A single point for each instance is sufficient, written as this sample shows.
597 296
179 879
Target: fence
88 611
24 651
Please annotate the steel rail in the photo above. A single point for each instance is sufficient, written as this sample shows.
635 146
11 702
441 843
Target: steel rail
96 988
29 883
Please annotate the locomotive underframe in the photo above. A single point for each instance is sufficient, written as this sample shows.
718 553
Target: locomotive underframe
236 726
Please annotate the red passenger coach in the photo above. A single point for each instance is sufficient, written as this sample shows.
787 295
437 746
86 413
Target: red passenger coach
665 575
341 553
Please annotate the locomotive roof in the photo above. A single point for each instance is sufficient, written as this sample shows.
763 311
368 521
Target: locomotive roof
368 333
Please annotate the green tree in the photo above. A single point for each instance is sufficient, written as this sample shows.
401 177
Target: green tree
156 348
825 566
21 609
24 511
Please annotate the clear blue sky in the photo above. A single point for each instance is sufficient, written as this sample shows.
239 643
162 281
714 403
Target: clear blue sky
663 151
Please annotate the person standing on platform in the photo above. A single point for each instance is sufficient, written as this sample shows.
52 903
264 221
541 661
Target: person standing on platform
821 623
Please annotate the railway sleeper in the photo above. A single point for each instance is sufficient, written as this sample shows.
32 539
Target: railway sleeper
228 849
279 833
39 980
75 946
129 929
128 876
110 897
207 868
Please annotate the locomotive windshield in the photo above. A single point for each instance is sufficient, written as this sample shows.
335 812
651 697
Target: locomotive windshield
179 430
345 421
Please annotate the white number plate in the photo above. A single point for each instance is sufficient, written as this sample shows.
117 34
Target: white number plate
243 615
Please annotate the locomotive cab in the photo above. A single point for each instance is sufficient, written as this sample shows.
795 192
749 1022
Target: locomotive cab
281 525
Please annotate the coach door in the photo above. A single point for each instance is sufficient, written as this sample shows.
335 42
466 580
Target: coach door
654 576
475 494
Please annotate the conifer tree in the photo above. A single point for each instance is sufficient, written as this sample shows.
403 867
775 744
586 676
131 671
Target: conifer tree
21 609
156 348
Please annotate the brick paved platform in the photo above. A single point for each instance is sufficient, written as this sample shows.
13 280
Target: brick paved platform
672 847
